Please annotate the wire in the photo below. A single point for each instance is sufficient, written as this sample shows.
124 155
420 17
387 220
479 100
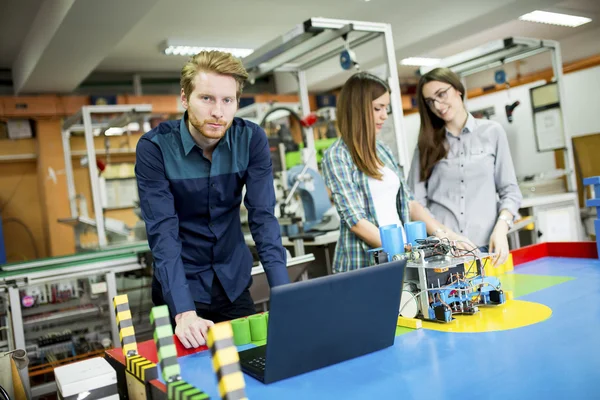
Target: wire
292 113
29 233
12 194
4 393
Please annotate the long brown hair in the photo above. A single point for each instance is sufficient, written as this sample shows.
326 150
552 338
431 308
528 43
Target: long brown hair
355 120
433 131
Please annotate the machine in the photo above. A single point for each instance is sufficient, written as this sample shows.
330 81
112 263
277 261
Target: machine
441 280
318 214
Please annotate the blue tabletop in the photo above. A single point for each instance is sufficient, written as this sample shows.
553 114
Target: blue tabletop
557 358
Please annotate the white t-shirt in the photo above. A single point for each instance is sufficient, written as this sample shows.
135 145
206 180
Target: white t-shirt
384 193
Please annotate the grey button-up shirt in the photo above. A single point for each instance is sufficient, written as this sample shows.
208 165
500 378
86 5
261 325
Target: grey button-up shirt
476 180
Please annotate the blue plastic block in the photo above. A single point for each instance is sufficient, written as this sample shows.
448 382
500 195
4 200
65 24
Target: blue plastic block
593 202
594 180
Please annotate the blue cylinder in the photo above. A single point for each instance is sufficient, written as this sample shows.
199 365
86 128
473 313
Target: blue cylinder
384 228
393 242
415 231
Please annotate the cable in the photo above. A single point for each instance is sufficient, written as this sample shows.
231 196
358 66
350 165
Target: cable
4 393
29 233
12 194
292 113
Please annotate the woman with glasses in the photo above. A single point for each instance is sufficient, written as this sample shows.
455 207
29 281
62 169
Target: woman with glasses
366 182
462 170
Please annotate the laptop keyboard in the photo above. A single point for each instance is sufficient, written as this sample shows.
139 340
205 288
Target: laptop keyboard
258 363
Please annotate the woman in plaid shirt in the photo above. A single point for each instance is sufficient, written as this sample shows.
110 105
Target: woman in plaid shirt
366 183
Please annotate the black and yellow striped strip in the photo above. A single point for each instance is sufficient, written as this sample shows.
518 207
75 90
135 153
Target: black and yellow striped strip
226 362
143 369
125 324
165 346
181 390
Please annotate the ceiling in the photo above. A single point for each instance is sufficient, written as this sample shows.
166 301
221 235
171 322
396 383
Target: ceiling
54 46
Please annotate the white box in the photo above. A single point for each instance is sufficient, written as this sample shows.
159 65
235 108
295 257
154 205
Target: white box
94 375
19 128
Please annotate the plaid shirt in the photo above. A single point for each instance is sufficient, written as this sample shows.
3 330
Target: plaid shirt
352 198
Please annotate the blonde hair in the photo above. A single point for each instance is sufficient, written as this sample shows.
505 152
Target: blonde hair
356 123
213 61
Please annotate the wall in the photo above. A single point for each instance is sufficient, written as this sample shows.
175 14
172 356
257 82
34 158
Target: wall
581 90
20 210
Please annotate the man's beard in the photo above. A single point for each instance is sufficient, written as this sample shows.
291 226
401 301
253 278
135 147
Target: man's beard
205 130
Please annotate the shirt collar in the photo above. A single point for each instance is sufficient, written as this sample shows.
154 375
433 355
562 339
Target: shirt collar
469 125
186 136
188 140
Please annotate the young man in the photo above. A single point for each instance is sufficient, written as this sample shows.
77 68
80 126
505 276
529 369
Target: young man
190 175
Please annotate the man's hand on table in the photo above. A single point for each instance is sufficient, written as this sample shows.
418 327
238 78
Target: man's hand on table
191 329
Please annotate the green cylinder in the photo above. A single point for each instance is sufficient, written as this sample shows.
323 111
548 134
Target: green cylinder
241 331
258 327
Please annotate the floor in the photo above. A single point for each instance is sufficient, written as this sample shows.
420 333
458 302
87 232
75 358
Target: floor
553 354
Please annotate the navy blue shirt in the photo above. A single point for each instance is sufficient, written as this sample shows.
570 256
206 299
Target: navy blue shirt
191 207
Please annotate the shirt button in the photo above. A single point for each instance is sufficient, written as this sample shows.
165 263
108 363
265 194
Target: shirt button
462 181
461 165
213 184
462 197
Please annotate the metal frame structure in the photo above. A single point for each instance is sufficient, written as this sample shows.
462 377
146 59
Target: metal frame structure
291 52
499 52
82 122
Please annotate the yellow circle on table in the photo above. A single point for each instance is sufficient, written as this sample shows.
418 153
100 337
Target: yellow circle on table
510 315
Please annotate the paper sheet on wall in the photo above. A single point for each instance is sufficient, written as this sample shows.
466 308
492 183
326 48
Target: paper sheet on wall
549 130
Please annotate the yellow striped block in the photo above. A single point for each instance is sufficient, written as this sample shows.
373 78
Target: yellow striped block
226 362
142 368
125 324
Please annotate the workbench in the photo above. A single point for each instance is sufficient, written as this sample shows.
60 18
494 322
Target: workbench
540 344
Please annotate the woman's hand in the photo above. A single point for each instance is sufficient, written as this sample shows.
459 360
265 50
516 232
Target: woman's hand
462 243
499 243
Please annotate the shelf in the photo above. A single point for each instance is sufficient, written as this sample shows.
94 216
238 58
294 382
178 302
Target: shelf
83 153
81 312
17 157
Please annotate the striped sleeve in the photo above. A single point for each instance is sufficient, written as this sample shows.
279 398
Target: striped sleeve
337 170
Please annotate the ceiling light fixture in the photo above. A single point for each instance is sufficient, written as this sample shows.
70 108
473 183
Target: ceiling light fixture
545 17
172 49
420 61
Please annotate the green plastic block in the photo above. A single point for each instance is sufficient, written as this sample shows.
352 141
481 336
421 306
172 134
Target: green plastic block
241 331
159 312
162 332
170 371
166 351
258 327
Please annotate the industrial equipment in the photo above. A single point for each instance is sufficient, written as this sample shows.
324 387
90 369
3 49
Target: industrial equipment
441 281
315 41
60 309
98 121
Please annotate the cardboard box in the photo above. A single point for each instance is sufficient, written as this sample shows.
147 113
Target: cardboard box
94 378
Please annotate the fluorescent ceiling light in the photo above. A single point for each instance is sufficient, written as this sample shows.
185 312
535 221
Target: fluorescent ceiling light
420 61
551 18
185 50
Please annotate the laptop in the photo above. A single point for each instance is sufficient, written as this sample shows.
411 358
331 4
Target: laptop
327 320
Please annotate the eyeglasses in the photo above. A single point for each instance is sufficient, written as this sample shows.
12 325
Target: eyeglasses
440 97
